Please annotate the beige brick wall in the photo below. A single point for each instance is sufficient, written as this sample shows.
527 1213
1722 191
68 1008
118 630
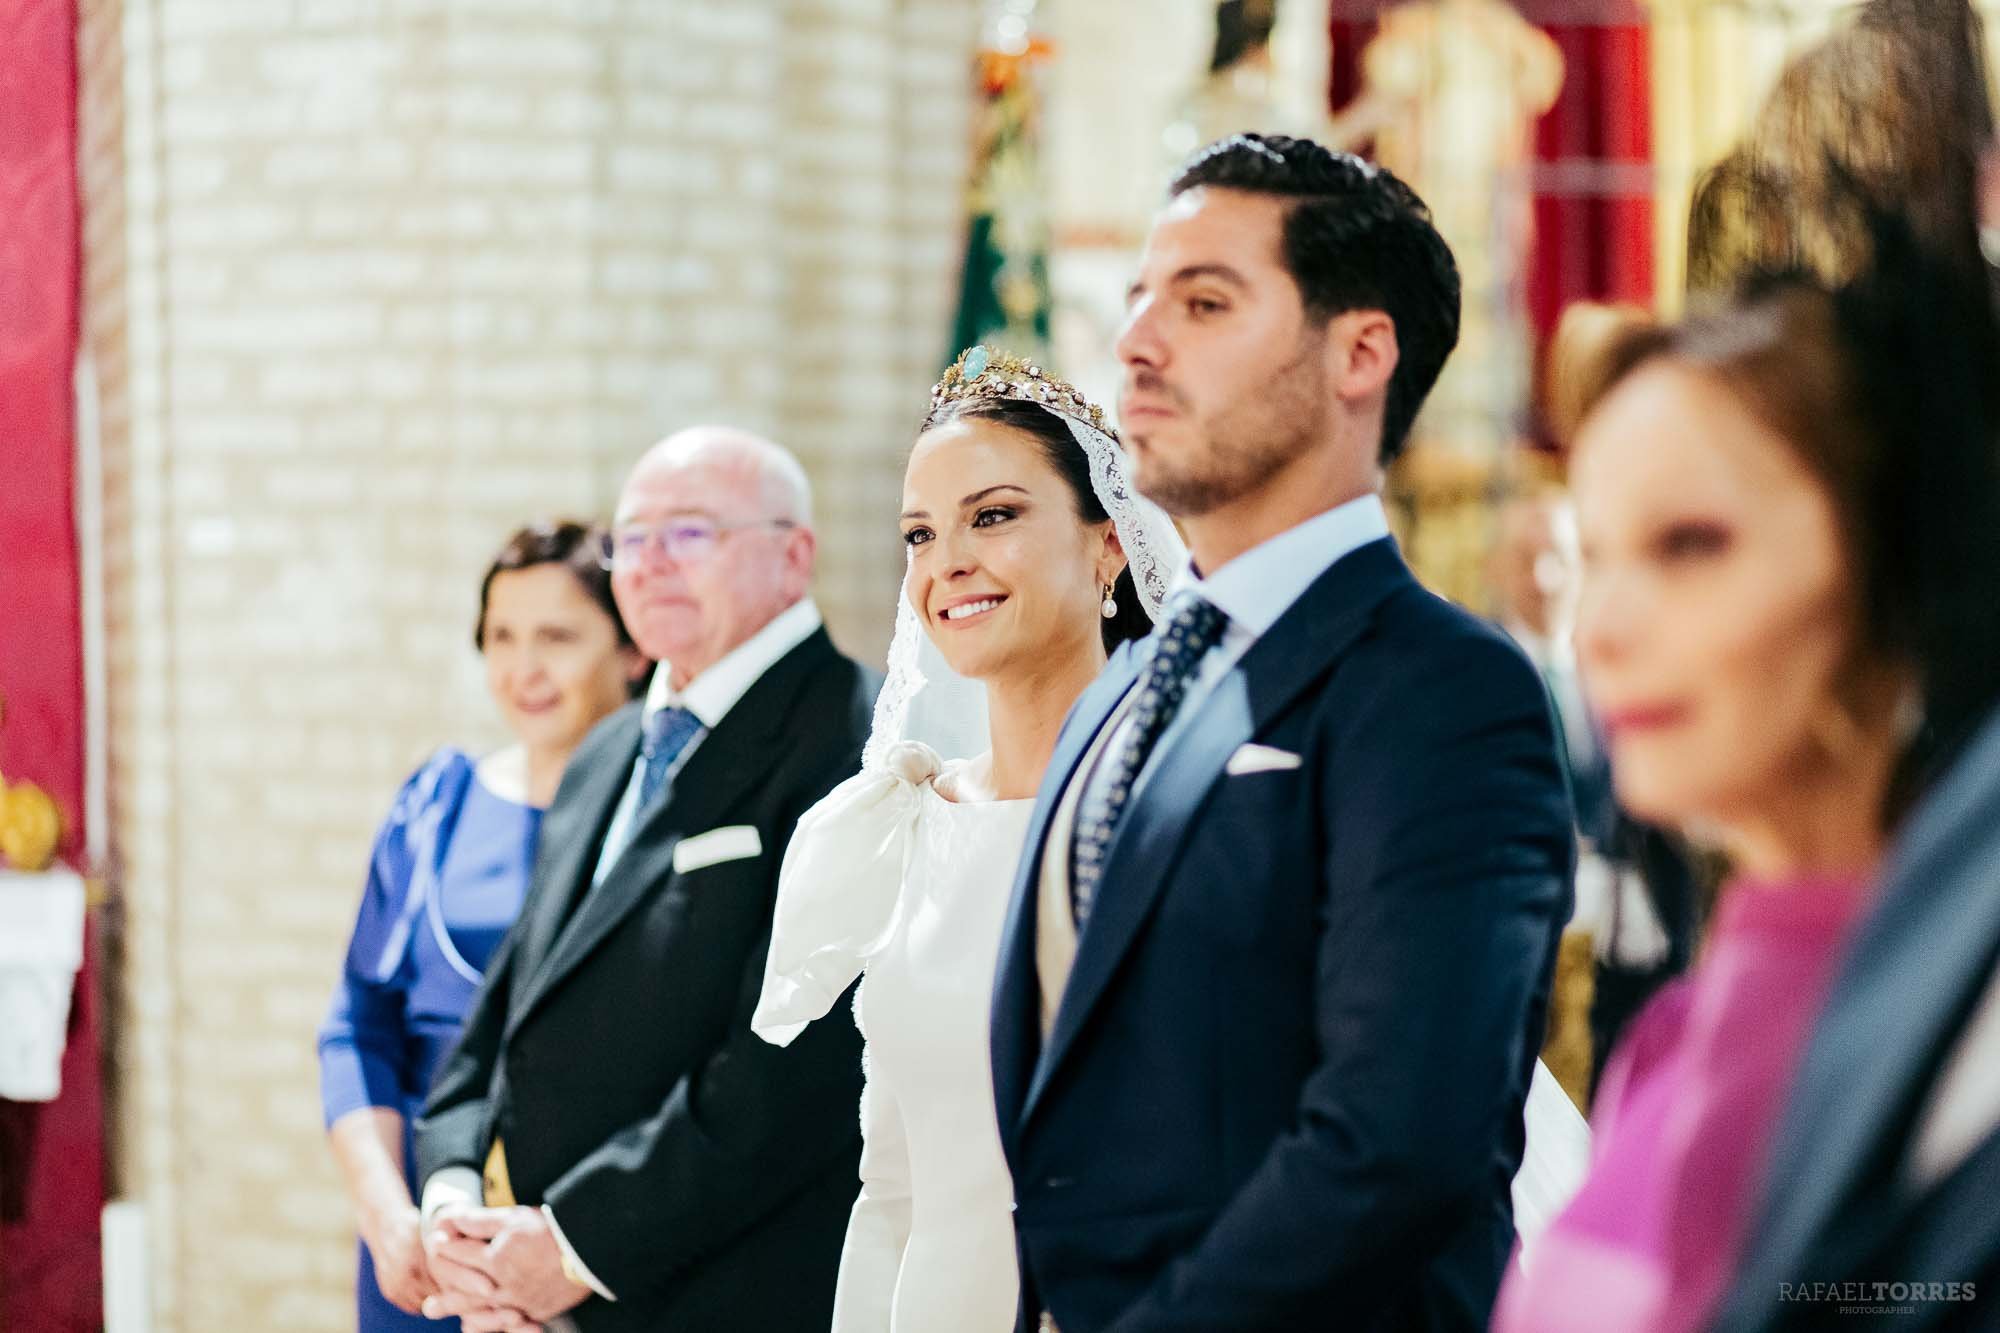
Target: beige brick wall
369 282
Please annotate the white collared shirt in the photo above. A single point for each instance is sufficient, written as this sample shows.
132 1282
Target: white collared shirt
1259 586
1962 1106
709 697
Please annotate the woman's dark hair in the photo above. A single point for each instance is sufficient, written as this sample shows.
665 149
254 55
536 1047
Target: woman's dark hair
1066 456
1887 388
566 542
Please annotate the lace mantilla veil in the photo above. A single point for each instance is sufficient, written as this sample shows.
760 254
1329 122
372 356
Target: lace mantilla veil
925 700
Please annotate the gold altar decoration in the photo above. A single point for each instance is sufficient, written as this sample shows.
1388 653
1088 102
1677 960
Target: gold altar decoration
30 826
1567 1049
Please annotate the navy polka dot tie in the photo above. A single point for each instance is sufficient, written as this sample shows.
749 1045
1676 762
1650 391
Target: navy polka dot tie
1189 633
667 733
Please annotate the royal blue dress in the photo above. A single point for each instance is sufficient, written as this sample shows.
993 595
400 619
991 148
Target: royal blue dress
449 870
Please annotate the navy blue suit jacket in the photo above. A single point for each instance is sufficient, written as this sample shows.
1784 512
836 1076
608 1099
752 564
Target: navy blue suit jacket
1284 1085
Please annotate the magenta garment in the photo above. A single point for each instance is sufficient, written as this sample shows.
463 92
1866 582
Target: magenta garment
1682 1123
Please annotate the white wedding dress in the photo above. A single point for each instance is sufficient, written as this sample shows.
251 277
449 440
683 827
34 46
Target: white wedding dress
888 877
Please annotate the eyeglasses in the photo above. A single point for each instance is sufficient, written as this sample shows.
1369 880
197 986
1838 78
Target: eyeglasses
685 541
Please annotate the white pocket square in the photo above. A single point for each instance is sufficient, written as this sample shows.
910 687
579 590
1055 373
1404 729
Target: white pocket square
1253 758
716 846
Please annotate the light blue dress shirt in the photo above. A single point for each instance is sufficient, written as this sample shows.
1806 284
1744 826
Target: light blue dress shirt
1253 590
708 696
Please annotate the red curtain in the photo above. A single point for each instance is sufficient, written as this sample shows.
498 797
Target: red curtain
51 1156
1593 182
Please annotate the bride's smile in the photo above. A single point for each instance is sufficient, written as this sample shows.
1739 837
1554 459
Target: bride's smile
1006 571
969 608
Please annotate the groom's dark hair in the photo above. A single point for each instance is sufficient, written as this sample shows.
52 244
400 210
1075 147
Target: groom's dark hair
1355 238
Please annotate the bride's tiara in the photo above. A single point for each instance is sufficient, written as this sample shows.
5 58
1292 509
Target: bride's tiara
981 373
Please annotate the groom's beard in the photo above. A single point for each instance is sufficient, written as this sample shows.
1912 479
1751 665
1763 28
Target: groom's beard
1240 447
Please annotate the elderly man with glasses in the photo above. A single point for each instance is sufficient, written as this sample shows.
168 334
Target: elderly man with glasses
609 1147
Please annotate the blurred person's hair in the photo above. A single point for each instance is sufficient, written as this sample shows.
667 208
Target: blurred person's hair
1355 238
1580 357
1950 37
1896 100
1887 388
575 546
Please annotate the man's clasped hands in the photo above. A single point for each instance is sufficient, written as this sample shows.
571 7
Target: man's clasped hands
500 1270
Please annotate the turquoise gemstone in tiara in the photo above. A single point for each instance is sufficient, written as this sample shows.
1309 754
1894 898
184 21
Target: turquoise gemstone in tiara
975 364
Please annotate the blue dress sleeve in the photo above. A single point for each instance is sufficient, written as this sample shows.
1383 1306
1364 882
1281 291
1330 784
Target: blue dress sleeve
364 1042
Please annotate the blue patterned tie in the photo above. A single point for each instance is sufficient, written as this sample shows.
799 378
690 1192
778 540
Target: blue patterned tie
1189 633
667 733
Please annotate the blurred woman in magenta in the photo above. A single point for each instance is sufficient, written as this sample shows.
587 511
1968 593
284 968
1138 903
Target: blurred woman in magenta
448 872
1784 643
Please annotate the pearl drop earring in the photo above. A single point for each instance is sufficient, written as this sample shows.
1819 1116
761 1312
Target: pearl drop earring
1110 607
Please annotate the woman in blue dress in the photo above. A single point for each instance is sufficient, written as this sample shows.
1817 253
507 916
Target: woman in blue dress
446 879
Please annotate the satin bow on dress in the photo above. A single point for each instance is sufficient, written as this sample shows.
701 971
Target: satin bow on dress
837 894
888 877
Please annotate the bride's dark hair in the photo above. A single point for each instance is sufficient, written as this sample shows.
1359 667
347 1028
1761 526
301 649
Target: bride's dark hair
1066 456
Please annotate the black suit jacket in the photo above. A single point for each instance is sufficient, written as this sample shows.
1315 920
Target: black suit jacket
705 1176
1284 1085
1834 1209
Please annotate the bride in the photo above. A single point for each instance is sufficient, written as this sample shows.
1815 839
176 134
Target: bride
1030 558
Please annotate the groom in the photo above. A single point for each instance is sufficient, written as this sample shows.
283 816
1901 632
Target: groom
1276 963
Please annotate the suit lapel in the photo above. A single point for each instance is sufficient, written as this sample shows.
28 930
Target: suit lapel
573 831
1016 1026
1300 649
1151 832
729 762
1909 979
